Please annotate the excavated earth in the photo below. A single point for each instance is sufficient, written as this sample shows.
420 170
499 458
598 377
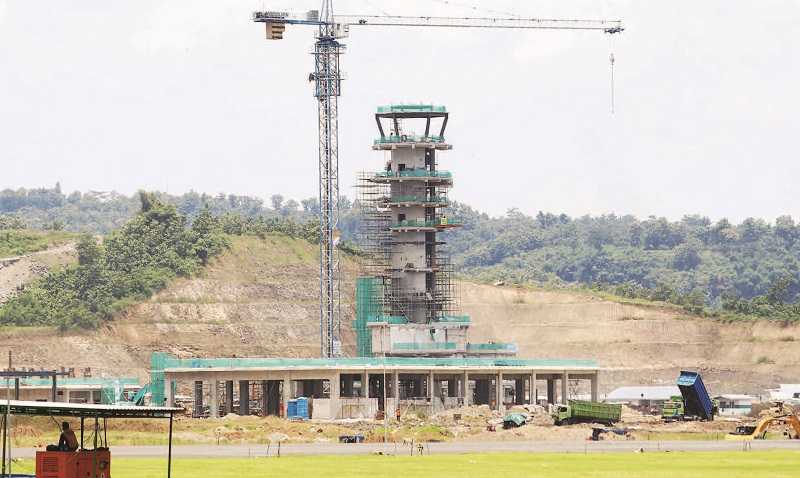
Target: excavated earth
260 299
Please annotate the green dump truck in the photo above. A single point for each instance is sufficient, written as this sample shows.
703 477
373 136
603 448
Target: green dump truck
672 409
580 411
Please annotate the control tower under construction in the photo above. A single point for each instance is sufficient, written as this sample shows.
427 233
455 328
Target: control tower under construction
407 305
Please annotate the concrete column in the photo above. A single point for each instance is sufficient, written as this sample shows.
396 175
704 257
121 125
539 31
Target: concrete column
451 387
564 391
244 397
431 388
197 411
519 391
396 387
168 395
336 407
499 392
264 398
213 400
551 390
534 395
465 392
16 389
365 384
229 396
287 395
595 382
66 395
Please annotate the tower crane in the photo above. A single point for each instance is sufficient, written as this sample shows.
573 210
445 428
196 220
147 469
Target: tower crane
327 80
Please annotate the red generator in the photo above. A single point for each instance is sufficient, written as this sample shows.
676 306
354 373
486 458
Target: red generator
80 464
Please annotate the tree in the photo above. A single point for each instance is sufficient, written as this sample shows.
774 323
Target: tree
277 201
687 256
310 205
89 252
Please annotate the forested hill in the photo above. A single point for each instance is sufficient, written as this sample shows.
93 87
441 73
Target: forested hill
751 268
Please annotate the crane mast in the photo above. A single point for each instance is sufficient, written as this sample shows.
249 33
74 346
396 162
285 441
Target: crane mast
327 81
327 88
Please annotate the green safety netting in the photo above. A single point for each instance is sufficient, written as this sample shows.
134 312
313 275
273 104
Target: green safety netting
422 199
454 319
442 221
369 290
414 173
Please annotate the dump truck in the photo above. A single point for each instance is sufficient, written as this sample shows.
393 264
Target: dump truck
697 404
580 411
672 409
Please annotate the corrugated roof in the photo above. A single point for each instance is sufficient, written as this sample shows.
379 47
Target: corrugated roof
736 396
24 407
644 392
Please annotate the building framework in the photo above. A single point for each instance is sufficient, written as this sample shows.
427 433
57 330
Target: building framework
362 387
408 303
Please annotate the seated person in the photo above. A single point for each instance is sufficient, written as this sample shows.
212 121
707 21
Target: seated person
67 441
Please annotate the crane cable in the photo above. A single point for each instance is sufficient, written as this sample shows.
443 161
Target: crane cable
612 61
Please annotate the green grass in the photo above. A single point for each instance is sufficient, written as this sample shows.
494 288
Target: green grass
684 464
18 242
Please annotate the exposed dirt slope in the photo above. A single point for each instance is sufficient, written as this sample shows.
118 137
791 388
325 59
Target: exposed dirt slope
638 344
17 271
258 299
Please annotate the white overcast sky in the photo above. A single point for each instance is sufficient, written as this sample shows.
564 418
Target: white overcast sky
178 95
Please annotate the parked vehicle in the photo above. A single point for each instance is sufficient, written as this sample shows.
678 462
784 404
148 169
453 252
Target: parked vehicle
580 411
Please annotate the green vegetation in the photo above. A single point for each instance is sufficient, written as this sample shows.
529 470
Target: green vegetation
685 464
127 267
19 241
721 269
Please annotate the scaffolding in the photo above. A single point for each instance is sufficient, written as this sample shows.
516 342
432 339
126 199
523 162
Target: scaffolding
420 289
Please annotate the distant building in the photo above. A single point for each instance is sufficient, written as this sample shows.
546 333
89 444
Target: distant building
785 391
70 390
643 395
735 404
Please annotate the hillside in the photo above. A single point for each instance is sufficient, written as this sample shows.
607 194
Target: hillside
259 298
636 344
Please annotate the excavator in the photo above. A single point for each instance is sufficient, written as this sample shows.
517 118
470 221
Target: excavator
781 414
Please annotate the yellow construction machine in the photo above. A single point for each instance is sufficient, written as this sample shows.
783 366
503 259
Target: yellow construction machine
781 414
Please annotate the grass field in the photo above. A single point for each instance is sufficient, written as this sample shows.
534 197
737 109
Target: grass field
16 243
695 464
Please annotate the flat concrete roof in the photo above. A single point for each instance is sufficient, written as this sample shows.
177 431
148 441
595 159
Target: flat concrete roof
401 364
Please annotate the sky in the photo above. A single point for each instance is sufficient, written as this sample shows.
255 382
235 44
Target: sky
182 95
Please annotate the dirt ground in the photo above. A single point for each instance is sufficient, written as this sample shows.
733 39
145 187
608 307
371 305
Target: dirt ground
15 272
475 424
